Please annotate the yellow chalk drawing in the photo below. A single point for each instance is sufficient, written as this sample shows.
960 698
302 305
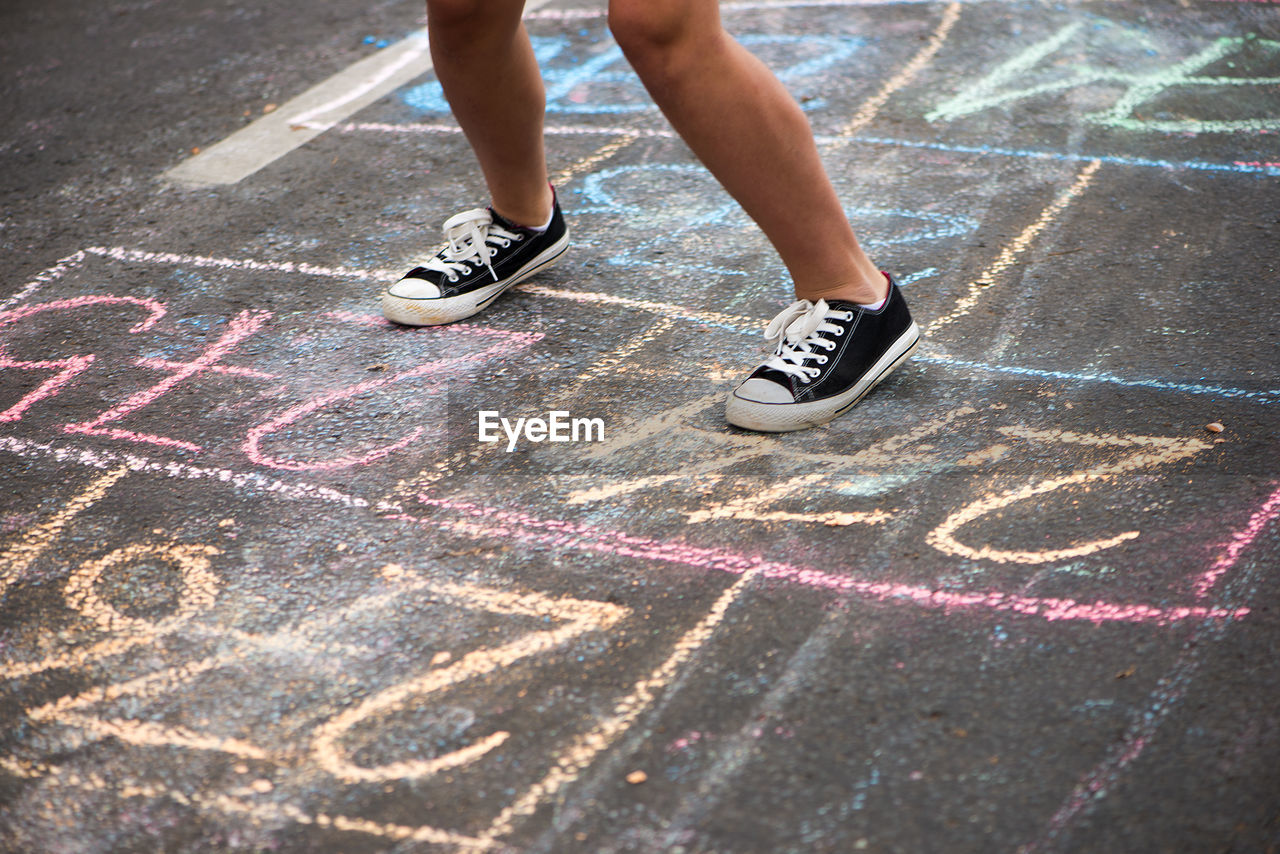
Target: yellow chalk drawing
578 616
1152 451
600 155
608 362
1010 254
258 813
891 453
199 586
586 747
571 618
32 543
869 110
752 506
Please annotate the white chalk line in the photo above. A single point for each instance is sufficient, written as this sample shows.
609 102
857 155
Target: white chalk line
740 325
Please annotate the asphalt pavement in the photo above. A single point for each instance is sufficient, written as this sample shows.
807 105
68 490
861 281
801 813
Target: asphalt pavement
264 587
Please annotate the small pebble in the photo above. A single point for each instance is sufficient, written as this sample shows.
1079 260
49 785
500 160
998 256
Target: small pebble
637 777
262 786
269 108
1215 427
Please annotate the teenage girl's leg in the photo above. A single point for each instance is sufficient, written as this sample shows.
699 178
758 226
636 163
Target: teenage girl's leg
485 63
748 130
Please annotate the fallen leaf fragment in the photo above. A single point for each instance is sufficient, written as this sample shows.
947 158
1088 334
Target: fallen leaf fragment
1215 427
637 777
1127 672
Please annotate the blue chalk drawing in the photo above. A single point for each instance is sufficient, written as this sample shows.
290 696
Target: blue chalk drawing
1257 396
912 278
1064 157
604 84
1127 58
693 204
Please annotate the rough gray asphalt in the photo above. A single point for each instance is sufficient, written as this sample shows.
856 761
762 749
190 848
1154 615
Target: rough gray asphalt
264 590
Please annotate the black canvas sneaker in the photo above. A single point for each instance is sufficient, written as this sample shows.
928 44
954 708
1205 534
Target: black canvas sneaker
484 255
826 357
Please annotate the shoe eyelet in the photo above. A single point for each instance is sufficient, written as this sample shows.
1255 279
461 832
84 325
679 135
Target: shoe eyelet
839 332
822 360
848 315
452 278
519 238
504 243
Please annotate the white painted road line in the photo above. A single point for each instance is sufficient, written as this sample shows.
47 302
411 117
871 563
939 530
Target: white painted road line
306 116
310 114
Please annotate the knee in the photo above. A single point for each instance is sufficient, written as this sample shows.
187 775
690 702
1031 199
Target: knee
649 32
450 14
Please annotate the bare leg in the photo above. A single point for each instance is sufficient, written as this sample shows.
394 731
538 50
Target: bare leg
485 63
748 130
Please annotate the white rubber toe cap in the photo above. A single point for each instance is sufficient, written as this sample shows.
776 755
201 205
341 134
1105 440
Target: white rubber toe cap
760 390
413 288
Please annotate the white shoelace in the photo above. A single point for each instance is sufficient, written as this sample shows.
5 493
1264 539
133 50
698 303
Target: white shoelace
473 240
798 335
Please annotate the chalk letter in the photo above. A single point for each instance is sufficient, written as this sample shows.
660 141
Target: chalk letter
241 327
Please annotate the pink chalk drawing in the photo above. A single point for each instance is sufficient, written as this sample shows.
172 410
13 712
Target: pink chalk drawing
229 370
686 741
240 327
569 535
508 342
360 319
155 310
1240 540
66 369
1169 691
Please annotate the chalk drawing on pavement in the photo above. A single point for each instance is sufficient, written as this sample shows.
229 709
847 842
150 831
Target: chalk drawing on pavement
1154 89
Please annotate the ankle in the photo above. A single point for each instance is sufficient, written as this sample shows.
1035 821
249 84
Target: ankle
865 290
534 212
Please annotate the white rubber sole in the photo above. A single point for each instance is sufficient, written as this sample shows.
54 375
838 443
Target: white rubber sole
435 312
782 417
